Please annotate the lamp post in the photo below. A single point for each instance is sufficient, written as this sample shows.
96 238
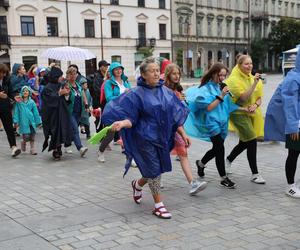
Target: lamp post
68 29
249 26
187 44
101 31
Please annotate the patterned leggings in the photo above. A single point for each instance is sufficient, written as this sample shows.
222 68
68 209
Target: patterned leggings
154 184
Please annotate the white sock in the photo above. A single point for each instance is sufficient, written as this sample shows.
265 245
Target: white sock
292 186
159 204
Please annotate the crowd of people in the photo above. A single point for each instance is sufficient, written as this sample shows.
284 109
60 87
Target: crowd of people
153 119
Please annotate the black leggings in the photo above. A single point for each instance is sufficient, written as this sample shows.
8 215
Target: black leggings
7 121
251 147
217 151
291 165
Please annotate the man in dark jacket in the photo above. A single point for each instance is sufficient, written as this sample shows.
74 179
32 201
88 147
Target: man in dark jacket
98 81
6 97
55 116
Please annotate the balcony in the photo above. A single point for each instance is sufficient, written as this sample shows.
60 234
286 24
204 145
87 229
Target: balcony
4 4
5 40
145 42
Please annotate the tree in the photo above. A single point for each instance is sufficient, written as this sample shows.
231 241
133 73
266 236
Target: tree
259 48
284 35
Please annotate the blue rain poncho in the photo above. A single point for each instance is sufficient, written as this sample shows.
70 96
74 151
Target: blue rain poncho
155 114
283 112
203 124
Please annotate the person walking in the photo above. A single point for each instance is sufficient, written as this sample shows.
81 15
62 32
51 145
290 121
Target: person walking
77 104
116 85
282 123
210 106
247 92
27 118
172 76
6 99
148 117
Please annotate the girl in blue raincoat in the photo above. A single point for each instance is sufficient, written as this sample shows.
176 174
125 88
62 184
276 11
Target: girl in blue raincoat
148 117
27 118
210 107
282 123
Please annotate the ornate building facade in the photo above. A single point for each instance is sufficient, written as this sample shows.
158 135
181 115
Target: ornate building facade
207 31
127 30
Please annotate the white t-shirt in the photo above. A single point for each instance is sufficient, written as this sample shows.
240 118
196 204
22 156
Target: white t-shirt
121 87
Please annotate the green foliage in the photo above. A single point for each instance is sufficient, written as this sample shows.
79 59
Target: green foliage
147 51
179 57
284 35
259 48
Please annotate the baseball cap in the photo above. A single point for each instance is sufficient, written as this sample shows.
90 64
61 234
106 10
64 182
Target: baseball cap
103 63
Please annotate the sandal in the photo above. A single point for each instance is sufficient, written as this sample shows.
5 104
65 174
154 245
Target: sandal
137 198
162 213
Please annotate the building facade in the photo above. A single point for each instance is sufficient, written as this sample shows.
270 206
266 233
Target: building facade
127 31
207 31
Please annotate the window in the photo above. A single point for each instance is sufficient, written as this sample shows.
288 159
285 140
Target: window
57 62
115 29
89 28
142 30
162 31
28 61
219 27
88 1
162 4
52 26
141 3
116 59
27 25
3 26
90 66
114 2
228 28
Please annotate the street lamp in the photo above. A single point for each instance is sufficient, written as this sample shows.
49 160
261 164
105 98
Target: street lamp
249 26
101 31
187 22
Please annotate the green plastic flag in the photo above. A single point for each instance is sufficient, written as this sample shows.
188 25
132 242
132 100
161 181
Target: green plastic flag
96 138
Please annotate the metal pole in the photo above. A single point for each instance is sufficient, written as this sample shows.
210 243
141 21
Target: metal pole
171 30
187 49
68 29
101 27
249 26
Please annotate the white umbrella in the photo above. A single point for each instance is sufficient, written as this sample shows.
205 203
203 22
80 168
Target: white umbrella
68 53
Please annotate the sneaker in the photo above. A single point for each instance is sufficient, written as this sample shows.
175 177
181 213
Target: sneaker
101 157
83 151
177 158
293 191
15 151
200 167
197 186
227 183
228 166
133 164
256 178
68 150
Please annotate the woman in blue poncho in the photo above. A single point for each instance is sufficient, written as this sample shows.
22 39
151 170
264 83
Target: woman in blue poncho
148 117
210 107
282 123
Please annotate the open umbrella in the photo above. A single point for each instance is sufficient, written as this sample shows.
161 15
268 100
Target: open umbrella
68 53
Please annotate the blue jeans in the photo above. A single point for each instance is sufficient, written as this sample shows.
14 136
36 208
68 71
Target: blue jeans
75 117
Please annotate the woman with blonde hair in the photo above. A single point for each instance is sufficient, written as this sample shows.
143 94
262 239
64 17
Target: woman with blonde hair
247 92
172 81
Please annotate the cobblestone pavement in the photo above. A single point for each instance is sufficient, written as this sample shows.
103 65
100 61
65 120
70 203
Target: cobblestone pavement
80 204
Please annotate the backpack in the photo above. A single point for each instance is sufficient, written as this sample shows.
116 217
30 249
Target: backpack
102 94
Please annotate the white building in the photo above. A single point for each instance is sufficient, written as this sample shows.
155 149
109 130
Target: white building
207 31
130 28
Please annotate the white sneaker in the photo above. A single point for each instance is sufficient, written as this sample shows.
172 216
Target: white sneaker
293 191
15 151
68 150
83 151
228 166
101 157
133 163
256 178
197 186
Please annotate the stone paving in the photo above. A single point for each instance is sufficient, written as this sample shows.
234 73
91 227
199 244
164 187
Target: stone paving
78 203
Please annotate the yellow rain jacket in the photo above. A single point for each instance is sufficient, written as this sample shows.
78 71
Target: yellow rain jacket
238 83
